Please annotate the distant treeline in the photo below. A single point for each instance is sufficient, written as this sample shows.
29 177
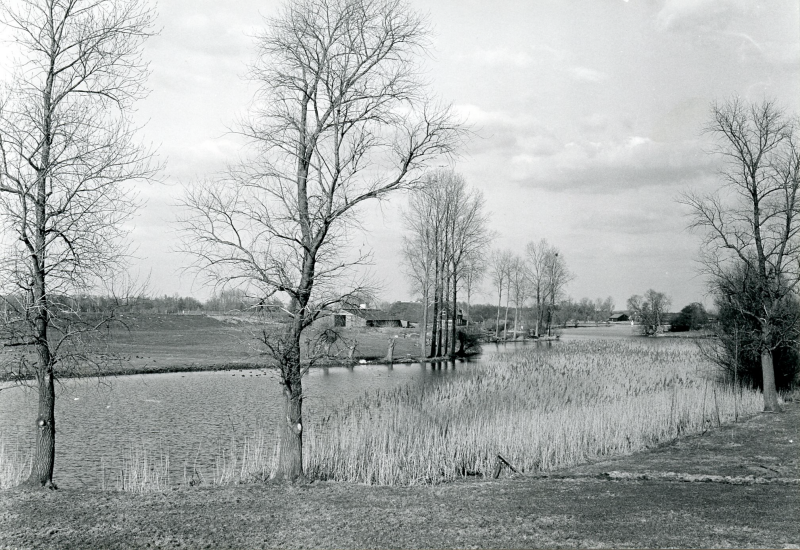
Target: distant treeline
230 300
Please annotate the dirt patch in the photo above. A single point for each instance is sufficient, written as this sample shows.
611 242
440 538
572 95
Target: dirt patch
580 507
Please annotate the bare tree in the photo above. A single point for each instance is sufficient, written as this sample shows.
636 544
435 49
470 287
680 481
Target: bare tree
557 276
649 310
420 249
537 259
469 238
753 220
67 153
499 271
519 286
339 119
548 278
475 268
447 231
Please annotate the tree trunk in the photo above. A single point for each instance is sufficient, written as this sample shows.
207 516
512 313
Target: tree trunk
45 453
455 319
505 322
436 315
768 376
497 321
424 328
447 311
290 454
390 351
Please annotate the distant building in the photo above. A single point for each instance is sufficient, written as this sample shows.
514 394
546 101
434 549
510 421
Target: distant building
619 318
364 317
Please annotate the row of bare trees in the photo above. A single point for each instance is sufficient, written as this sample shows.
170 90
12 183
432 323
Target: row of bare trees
540 276
444 251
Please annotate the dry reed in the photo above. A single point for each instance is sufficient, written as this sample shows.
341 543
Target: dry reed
15 465
542 409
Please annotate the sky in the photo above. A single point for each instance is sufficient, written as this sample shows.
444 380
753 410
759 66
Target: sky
586 117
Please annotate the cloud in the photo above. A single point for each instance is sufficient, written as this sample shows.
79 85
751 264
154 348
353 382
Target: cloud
612 167
501 57
584 74
508 134
692 15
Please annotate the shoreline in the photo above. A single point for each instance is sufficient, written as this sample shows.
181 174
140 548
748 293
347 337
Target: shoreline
223 367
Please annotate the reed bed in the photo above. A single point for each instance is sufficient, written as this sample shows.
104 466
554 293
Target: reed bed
542 409
15 465
251 461
139 470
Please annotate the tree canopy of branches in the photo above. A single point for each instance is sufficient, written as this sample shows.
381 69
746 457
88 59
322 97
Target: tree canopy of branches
649 310
751 224
739 351
447 235
548 278
500 264
340 118
67 154
691 317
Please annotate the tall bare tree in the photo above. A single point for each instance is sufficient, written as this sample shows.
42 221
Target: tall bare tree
447 227
519 286
474 271
548 278
499 271
340 118
420 249
67 154
469 238
751 223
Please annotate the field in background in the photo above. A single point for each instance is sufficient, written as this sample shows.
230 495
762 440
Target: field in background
164 342
149 343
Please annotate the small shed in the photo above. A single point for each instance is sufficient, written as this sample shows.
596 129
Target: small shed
364 317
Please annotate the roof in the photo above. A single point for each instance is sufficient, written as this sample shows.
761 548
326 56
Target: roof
373 314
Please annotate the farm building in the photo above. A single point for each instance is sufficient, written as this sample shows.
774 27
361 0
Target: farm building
364 317
619 318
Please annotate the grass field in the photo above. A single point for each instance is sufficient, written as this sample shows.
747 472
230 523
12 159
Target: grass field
176 340
151 343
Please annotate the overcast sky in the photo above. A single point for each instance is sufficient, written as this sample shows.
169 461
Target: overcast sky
587 120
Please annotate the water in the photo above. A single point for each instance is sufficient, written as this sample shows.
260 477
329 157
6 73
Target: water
190 415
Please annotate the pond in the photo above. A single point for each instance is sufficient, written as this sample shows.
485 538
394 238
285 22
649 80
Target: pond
189 415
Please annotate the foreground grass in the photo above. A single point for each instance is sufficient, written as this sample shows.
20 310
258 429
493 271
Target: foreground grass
575 508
